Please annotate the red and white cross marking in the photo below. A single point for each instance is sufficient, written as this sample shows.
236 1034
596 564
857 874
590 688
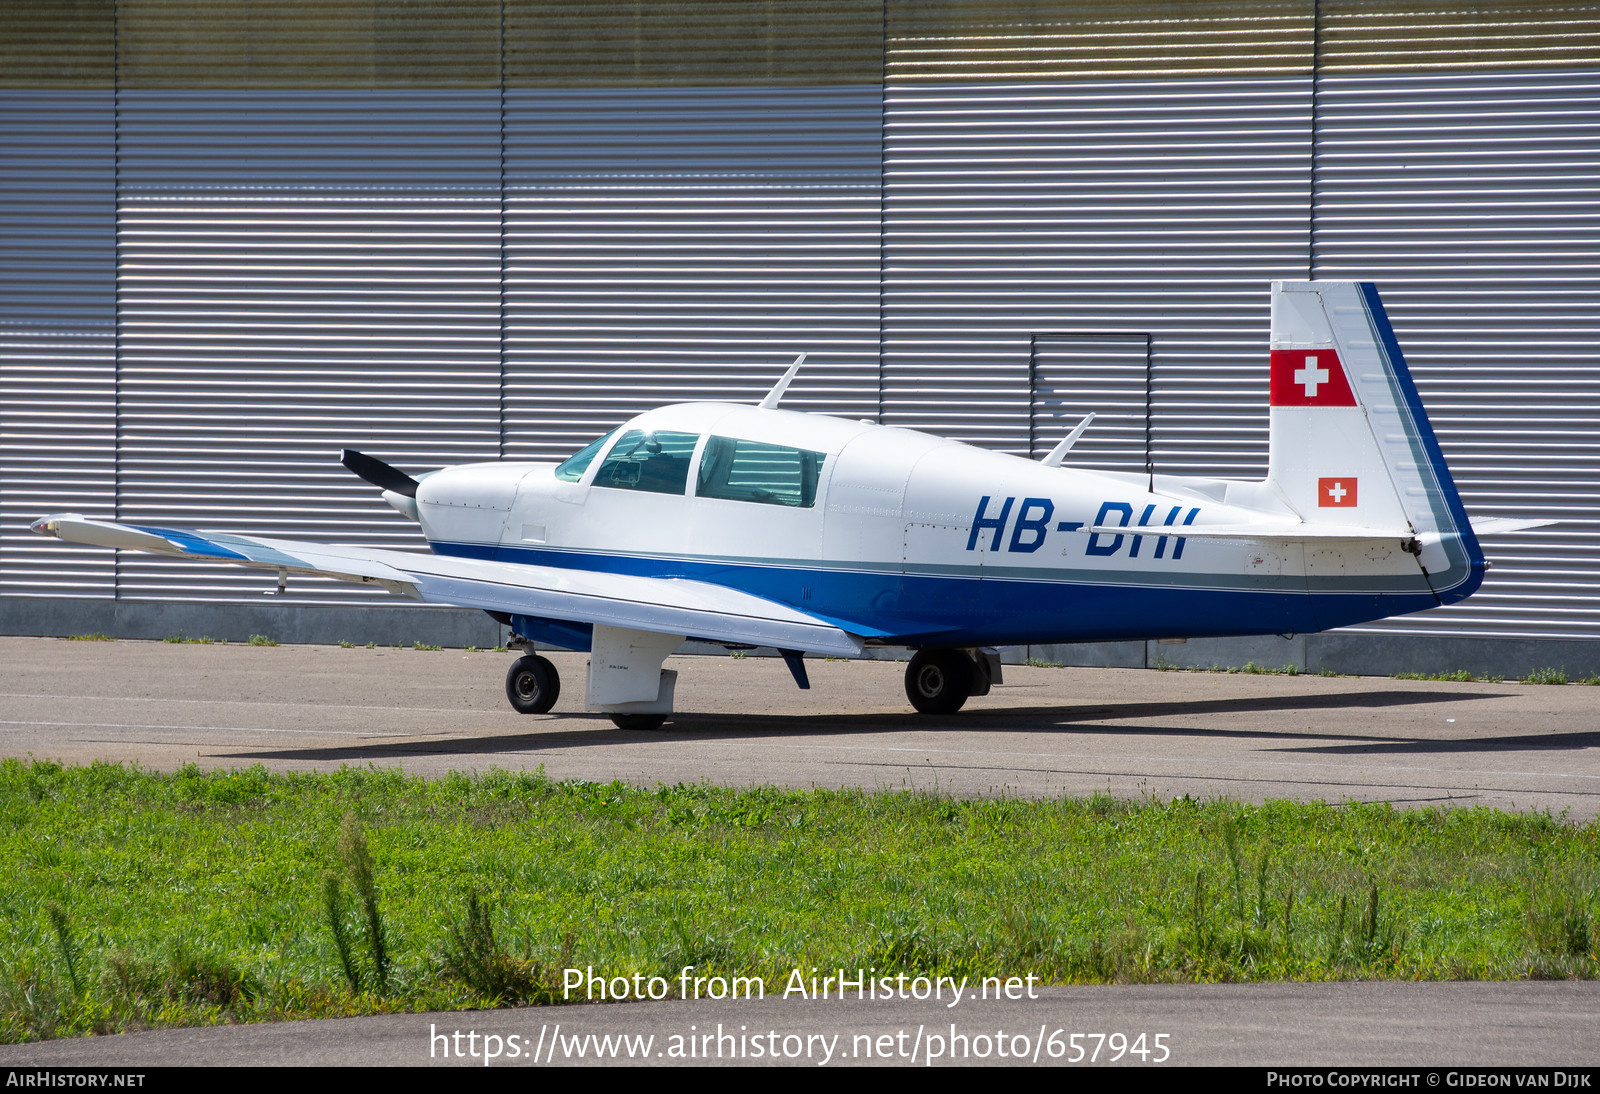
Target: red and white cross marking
1309 377
1336 493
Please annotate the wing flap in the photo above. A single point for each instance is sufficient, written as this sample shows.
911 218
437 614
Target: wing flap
665 605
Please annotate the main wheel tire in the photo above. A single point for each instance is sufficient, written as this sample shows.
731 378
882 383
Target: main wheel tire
532 685
638 721
939 681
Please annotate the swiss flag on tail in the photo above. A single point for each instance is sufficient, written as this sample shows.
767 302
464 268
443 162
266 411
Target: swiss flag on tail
1309 377
1336 493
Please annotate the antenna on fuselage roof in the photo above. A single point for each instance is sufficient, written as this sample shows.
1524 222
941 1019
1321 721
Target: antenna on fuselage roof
771 401
1059 452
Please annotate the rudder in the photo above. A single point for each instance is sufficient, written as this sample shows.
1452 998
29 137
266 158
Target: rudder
1350 441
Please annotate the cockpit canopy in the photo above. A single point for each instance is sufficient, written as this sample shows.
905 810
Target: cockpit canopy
665 461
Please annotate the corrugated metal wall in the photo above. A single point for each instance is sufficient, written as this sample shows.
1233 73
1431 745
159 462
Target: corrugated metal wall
345 223
672 244
1148 168
1456 166
1473 200
301 271
1154 206
57 321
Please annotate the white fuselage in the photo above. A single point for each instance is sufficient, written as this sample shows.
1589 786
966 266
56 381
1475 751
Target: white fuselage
911 538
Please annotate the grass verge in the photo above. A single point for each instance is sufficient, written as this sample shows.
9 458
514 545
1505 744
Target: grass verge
135 899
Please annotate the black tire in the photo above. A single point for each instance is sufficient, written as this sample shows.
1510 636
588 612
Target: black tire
532 685
638 721
939 681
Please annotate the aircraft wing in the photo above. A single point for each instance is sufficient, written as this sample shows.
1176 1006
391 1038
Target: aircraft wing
665 605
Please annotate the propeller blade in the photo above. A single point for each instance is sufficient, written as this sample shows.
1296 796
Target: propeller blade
378 473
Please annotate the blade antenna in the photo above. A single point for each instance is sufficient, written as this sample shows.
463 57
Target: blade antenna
1059 452
771 401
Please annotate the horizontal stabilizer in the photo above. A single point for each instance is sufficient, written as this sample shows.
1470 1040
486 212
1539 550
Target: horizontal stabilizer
1298 530
1499 526
1264 530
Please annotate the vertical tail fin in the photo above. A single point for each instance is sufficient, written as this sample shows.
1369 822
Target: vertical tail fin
1350 441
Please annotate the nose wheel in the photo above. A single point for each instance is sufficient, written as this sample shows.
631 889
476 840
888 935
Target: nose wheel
939 681
533 685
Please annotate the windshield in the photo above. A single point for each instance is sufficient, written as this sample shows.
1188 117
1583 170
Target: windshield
573 467
656 461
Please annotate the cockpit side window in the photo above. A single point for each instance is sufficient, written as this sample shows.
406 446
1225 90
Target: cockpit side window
767 474
572 468
652 460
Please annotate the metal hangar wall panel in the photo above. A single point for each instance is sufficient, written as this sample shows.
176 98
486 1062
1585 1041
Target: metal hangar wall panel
241 237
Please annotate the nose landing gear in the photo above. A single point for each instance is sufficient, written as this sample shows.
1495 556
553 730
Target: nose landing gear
532 685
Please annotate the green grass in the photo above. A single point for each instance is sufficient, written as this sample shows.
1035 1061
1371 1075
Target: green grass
261 640
1249 668
1536 676
1546 676
1258 670
98 636
134 899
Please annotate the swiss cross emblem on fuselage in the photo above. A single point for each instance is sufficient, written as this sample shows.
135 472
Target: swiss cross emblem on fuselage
1309 377
1336 493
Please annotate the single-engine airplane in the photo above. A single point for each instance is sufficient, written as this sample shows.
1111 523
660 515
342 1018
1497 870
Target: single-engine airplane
753 526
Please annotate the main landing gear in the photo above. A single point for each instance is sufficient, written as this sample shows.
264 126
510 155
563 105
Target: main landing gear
938 681
941 681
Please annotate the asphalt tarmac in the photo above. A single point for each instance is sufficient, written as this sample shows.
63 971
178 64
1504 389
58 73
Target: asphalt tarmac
742 721
1046 731
1347 1026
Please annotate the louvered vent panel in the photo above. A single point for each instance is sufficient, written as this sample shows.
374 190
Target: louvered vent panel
693 43
1001 40
295 45
1448 36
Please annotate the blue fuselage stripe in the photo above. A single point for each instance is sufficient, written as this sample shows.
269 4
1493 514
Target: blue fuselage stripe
968 610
